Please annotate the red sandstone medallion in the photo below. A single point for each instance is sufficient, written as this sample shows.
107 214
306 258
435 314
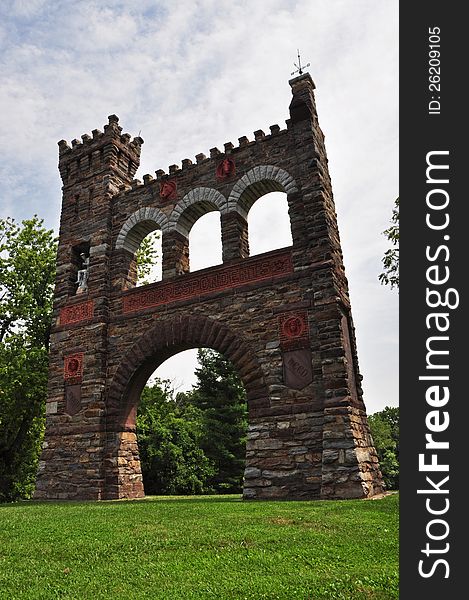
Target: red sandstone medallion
168 189
293 327
73 367
226 169
293 330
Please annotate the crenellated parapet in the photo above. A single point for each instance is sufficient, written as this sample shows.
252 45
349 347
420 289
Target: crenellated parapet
101 151
214 160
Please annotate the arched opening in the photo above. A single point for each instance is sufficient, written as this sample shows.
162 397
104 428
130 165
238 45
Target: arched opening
205 245
138 255
191 209
163 340
262 182
269 223
192 438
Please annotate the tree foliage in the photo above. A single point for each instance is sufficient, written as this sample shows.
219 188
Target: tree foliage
27 272
384 427
169 444
194 442
390 260
220 395
147 255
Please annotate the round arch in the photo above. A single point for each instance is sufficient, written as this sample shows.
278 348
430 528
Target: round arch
164 340
257 182
138 226
195 204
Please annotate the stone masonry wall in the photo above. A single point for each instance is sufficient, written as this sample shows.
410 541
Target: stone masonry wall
283 318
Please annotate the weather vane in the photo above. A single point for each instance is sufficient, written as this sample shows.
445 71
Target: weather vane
299 66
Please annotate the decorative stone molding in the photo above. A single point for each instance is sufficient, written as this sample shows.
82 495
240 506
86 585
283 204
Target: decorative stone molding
257 182
138 226
75 313
195 204
198 284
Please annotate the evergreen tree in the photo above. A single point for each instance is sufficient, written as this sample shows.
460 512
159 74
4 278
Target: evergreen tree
220 395
168 439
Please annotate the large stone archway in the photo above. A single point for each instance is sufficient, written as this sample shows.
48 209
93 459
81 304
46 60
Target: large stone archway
163 340
283 317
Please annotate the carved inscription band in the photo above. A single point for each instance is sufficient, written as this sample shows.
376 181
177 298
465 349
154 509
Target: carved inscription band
76 312
218 279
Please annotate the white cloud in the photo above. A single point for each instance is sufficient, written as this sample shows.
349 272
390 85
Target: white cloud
26 8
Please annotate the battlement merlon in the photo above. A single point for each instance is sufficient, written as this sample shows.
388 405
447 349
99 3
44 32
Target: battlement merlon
110 149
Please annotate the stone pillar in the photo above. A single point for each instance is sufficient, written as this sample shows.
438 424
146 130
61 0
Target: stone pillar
175 248
350 465
234 235
122 471
124 270
283 453
71 464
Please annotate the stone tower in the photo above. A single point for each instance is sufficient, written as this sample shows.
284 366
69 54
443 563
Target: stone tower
283 318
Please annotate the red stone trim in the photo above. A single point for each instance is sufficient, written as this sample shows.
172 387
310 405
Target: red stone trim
293 330
73 367
75 313
217 279
226 169
168 189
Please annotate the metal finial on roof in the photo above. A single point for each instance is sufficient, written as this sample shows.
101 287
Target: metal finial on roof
299 66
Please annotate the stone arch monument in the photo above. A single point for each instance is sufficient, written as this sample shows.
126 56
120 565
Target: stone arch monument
283 317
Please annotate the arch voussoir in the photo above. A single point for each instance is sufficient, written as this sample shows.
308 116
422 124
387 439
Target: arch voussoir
168 336
140 223
221 336
229 343
193 205
186 331
260 180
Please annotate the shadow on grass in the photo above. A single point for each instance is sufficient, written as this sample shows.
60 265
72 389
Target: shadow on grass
147 499
185 499
332 505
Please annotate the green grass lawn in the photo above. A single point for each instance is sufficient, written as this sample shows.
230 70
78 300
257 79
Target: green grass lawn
199 548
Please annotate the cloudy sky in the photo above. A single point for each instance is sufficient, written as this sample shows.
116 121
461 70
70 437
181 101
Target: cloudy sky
189 75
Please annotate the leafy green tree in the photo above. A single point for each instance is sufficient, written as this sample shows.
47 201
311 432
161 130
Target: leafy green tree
390 260
384 427
147 255
220 395
169 444
27 273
